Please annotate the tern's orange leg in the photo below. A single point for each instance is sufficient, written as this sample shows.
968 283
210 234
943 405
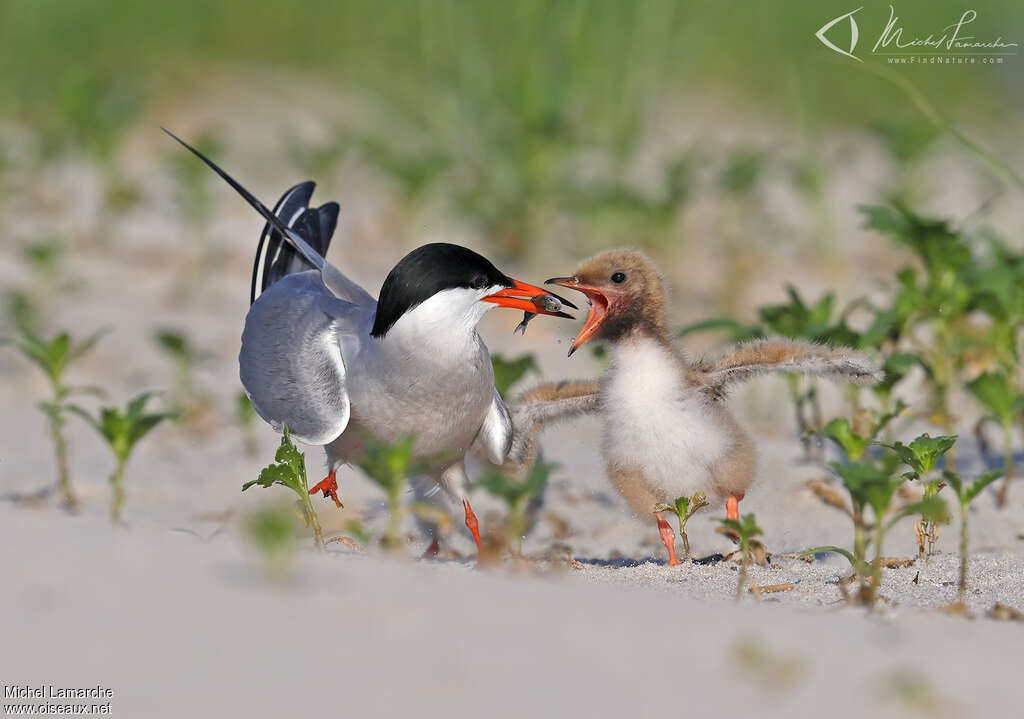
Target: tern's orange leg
668 536
329 486
433 550
474 526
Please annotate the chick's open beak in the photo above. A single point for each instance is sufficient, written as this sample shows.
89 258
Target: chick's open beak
598 307
528 298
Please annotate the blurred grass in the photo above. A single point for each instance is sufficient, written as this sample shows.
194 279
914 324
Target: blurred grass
82 69
516 114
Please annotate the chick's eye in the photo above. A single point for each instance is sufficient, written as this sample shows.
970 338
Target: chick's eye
618 278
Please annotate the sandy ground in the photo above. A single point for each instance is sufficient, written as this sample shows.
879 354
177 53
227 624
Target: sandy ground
175 613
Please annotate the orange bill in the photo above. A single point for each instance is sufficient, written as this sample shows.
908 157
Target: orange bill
598 308
528 298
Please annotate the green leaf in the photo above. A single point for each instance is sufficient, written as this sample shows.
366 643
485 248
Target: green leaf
932 509
923 453
980 483
995 392
866 483
509 371
288 471
895 368
840 431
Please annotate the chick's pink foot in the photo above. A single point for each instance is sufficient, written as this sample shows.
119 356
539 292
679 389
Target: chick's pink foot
329 486
668 536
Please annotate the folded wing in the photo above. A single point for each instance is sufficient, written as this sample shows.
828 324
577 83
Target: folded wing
292 364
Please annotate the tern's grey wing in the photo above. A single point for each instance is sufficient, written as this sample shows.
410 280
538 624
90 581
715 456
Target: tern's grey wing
495 436
291 363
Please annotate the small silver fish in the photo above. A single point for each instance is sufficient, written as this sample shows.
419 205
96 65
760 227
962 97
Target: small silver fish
521 327
548 303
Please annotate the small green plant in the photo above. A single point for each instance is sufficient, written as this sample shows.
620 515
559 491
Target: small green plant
390 466
509 371
965 494
1001 398
855 438
289 470
122 430
52 357
517 496
872 486
271 530
181 350
746 529
921 456
684 508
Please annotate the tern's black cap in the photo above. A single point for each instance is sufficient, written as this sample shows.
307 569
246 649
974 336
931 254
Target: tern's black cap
427 270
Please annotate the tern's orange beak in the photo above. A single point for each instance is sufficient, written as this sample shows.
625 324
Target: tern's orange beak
599 303
528 298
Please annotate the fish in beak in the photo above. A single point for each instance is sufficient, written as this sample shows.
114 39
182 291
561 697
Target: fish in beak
530 299
599 303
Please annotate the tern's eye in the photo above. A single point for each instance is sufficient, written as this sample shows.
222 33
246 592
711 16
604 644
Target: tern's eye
618 278
479 282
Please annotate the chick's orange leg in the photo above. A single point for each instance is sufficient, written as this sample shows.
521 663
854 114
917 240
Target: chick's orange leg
329 486
474 526
732 507
668 536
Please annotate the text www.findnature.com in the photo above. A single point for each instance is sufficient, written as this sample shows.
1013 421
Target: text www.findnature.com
49 709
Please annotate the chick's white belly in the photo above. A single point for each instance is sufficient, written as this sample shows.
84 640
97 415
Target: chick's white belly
673 441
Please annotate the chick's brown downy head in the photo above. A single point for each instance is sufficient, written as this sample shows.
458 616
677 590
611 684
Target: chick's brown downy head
625 294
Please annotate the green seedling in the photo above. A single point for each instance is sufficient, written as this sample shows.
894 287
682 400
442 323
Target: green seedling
965 494
1001 398
53 357
872 486
746 529
517 496
289 470
271 530
895 367
245 413
921 456
870 424
390 466
122 430
181 350
938 302
507 372
684 508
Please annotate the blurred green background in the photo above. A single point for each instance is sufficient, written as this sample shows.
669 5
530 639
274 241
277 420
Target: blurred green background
528 124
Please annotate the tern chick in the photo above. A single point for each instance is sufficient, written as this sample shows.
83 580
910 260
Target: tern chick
666 431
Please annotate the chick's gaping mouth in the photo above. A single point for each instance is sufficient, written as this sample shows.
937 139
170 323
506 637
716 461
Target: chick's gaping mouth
599 303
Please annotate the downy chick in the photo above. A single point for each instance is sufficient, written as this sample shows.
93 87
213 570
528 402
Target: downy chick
666 432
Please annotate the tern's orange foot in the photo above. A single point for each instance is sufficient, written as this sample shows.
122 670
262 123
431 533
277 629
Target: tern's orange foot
474 526
329 486
668 536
